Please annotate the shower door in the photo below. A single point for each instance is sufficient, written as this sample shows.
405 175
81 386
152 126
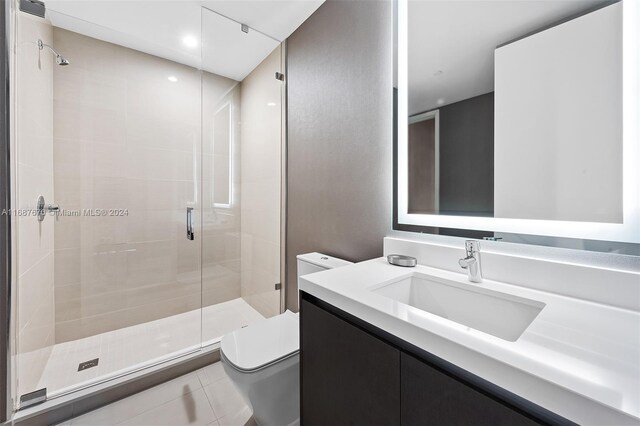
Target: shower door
242 175
111 282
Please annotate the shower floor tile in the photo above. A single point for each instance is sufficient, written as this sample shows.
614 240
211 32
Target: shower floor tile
131 348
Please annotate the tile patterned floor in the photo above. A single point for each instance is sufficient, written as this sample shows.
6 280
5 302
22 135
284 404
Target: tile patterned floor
204 397
132 347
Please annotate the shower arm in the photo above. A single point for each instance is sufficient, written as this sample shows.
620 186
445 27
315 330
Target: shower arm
61 60
42 45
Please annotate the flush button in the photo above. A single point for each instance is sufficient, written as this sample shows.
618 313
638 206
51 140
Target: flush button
324 258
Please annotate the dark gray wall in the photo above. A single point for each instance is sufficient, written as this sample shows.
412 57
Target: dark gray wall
466 157
421 147
339 75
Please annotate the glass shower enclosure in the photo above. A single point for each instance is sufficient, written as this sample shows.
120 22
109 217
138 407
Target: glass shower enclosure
147 176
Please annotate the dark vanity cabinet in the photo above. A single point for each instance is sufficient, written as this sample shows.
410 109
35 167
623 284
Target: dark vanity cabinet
352 373
430 396
345 372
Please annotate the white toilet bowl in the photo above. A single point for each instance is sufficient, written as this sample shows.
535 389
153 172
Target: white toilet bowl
262 359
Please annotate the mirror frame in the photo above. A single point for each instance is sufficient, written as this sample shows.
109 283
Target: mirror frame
626 232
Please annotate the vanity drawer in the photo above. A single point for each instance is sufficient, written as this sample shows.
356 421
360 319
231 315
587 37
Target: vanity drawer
430 396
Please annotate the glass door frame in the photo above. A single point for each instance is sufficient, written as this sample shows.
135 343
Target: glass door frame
283 172
5 220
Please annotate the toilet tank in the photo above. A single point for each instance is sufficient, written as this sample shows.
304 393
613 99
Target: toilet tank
316 262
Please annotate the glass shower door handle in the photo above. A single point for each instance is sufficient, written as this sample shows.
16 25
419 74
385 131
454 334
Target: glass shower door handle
190 233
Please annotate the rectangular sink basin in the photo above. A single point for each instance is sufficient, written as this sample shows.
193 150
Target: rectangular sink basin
499 314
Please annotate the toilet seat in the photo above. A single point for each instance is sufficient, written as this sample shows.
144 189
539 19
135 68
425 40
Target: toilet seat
263 344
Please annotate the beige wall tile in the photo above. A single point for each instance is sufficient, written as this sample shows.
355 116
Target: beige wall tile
30 366
68 267
261 179
220 226
34 164
125 137
35 303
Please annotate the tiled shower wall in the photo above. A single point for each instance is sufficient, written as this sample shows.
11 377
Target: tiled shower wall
220 225
261 180
125 137
35 240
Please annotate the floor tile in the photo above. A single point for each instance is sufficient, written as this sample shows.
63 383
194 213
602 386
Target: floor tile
211 373
137 404
224 398
242 417
189 409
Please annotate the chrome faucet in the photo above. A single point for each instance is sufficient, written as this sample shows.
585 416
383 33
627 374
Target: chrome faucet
472 261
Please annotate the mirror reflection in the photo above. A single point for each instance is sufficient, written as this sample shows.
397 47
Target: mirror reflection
515 109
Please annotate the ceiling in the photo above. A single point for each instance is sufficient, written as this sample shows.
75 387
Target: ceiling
160 28
451 43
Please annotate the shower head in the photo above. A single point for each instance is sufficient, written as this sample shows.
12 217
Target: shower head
60 60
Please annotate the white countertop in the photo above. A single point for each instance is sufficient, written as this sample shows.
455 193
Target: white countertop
579 359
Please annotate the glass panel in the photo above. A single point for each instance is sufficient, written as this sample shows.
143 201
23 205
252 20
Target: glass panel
242 115
32 163
222 161
113 138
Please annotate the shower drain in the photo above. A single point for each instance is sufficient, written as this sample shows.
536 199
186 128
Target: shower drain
88 364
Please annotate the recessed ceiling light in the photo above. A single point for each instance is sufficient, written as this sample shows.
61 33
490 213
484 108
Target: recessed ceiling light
172 78
271 104
440 101
190 41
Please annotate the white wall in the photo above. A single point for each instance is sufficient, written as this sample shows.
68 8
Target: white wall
558 122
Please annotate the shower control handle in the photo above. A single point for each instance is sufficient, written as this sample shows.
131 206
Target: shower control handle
42 209
190 233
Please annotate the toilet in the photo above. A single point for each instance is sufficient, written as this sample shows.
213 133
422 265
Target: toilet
262 359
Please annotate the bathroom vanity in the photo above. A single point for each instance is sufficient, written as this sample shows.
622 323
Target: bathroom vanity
382 344
376 378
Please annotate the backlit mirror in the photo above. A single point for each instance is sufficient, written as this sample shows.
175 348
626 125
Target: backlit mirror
518 117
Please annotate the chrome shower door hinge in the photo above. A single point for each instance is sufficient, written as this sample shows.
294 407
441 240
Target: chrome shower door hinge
33 398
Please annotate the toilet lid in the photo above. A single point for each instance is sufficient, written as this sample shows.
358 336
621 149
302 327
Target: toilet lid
261 344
